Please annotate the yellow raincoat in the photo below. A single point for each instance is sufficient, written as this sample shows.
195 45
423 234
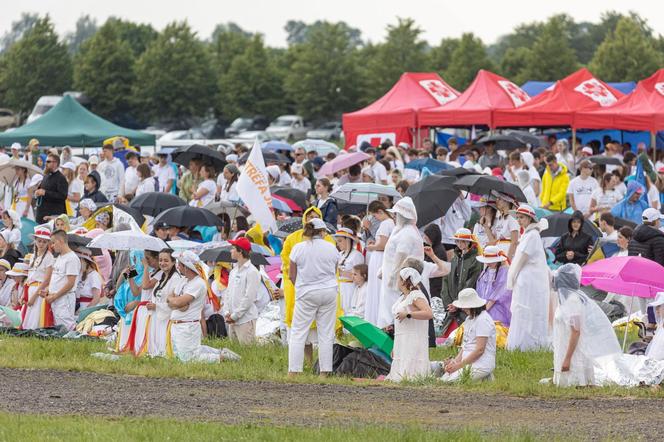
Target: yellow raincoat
289 289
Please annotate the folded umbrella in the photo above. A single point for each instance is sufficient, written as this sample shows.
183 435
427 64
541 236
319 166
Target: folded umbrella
363 192
187 216
559 225
297 196
342 162
432 196
433 165
223 254
153 203
208 155
368 334
484 184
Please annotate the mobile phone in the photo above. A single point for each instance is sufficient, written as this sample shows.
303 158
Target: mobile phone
132 274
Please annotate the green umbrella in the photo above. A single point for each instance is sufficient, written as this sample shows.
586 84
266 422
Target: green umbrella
368 334
13 315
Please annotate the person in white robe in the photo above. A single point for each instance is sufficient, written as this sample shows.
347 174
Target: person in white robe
348 259
37 312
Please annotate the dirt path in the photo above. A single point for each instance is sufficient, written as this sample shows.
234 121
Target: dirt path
56 392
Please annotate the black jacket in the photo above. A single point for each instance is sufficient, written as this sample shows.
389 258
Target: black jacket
95 195
329 211
53 202
432 231
648 242
579 244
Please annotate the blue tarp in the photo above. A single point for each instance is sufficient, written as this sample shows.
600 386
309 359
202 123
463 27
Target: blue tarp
533 88
623 136
442 138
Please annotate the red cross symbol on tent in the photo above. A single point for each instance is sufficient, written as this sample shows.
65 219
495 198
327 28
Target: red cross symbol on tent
437 88
595 89
659 87
518 95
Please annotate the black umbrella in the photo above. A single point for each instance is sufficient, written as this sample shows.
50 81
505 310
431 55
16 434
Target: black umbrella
153 203
601 159
134 213
285 228
187 216
622 222
503 141
529 139
208 155
223 254
484 184
457 171
229 207
80 243
346 208
432 196
297 196
268 157
559 225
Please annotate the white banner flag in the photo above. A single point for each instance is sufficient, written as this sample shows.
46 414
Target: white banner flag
254 189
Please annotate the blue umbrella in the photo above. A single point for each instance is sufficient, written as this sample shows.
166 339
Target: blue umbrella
433 165
277 145
281 206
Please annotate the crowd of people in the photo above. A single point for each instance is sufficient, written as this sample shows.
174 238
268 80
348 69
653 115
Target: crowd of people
486 258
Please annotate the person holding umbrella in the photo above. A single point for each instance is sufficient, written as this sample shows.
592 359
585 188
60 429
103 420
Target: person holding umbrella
22 202
528 278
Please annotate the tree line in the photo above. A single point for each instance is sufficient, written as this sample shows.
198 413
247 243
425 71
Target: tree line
135 75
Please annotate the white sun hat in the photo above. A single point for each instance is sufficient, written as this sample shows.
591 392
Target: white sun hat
468 298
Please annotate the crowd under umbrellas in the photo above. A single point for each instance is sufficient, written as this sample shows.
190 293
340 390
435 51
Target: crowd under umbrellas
399 248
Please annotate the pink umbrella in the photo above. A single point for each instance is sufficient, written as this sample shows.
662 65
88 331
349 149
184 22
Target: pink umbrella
625 275
343 161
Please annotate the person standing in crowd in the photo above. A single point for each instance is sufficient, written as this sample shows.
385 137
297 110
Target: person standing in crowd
492 284
22 197
483 228
528 278
505 228
164 173
478 348
51 193
411 312
299 181
146 182
375 250
453 220
405 241
604 197
648 238
379 171
554 185
188 183
75 191
575 244
6 284
633 204
327 205
349 257
525 184
239 298
564 156
312 268
581 189
227 183
131 178
205 192
112 172
61 282
464 271
91 185
490 158
40 263
433 238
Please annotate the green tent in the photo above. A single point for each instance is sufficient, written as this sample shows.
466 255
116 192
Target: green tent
69 123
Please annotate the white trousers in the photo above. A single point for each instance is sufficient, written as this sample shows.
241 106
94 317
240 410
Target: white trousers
63 310
186 338
319 306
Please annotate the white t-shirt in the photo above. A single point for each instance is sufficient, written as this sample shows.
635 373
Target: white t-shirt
304 184
284 179
163 174
380 172
653 197
316 262
130 181
76 186
112 176
582 191
195 287
84 288
606 199
480 326
503 226
211 187
145 186
65 265
231 194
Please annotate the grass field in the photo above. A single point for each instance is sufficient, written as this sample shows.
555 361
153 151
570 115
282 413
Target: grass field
516 373
76 428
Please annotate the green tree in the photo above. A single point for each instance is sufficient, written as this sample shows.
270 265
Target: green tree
228 41
174 78
626 54
299 32
252 84
323 77
403 51
440 56
514 63
138 35
523 36
104 70
18 28
38 64
469 57
551 57
85 29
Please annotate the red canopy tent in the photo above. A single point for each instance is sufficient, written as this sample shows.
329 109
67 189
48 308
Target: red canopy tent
394 115
476 106
556 106
642 110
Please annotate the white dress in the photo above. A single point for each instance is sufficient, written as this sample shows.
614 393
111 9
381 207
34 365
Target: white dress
373 283
21 198
410 356
36 274
528 278
346 284
581 370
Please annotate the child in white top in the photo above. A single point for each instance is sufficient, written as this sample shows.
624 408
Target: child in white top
359 276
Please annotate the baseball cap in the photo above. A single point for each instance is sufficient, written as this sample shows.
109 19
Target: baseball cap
318 223
242 243
587 150
161 225
651 215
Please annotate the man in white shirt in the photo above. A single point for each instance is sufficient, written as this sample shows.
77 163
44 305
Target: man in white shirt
581 188
111 171
379 171
61 281
130 182
240 312
164 173
516 164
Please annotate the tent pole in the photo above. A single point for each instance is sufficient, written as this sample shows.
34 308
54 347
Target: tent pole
574 143
653 144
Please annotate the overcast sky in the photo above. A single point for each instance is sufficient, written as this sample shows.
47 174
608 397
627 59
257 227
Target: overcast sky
438 18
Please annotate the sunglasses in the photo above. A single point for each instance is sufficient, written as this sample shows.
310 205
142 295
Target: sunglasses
49 161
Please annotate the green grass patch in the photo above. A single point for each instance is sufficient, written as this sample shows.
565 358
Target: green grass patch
516 374
76 428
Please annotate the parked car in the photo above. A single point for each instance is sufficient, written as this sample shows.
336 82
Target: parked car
8 119
243 124
326 131
251 135
288 128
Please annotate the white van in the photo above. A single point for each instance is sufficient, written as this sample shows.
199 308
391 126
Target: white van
44 104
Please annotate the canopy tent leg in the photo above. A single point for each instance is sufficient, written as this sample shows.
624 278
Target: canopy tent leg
653 145
574 143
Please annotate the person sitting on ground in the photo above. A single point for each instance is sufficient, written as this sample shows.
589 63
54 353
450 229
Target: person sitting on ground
575 245
18 274
478 348
88 289
7 250
12 223
359 277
